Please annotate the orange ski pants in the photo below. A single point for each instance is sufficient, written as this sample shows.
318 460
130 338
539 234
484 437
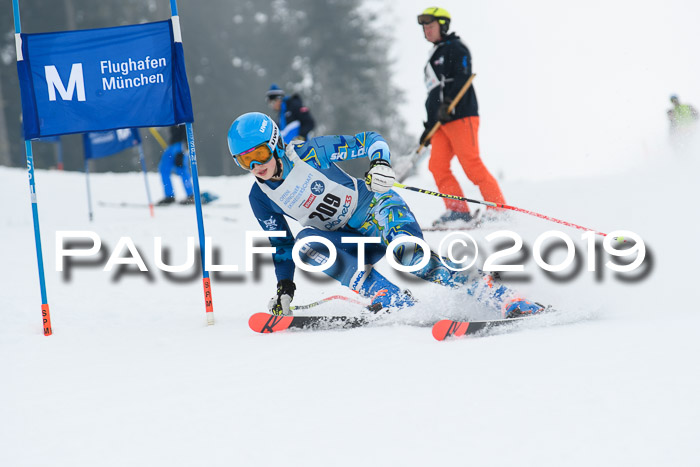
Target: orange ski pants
460 138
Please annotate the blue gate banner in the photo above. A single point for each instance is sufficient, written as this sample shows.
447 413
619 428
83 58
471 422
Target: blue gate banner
103 79
105 143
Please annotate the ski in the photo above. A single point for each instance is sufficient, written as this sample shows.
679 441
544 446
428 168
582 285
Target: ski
447 328
125 204
480 223
456 225
266 323
445 228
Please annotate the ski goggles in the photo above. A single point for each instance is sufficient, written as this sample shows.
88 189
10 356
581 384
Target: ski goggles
426 19
258 155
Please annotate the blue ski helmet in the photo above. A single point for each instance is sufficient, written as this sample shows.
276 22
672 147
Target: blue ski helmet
251 130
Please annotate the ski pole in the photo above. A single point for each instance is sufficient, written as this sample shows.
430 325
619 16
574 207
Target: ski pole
158 138
326 300
450 108
500 206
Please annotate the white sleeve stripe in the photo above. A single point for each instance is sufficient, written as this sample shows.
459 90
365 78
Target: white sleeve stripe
380 146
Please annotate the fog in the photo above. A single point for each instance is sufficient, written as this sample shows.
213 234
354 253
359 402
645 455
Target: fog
563 88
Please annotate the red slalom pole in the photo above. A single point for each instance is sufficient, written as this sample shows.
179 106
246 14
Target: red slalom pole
552 219
500 206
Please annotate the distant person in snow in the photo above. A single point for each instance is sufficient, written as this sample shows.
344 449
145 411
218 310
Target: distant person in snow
301 181
447 70
294 119
681 116
683 119
175 158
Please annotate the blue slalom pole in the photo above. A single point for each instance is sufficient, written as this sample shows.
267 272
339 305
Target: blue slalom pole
87 185
142 157
15 11
35 216
46 316
59 154
208 302
200 225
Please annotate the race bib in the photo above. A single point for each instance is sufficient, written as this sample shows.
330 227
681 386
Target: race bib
312 198
430 78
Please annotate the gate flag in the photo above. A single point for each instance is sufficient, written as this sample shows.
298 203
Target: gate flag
99 144
102 79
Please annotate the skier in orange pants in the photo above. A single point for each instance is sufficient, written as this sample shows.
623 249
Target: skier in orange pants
446 72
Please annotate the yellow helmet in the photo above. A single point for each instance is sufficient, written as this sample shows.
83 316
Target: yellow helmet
433 13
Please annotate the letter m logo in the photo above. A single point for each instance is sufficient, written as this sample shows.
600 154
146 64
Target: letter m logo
75 81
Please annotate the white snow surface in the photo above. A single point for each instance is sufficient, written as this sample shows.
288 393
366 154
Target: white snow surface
133 375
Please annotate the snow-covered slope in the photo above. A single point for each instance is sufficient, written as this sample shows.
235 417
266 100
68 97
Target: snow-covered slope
133 376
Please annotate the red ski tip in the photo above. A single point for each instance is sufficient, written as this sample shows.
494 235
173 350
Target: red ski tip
266 323
448 328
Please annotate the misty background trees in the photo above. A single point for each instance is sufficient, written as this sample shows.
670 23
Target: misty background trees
335 54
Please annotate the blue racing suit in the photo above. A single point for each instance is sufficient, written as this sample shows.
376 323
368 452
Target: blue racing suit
174 159
382 215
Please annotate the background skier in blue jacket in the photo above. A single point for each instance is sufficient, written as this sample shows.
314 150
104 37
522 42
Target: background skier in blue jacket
302 181
174 158
295 120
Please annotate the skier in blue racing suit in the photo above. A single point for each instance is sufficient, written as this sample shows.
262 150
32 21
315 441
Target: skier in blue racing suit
175 159
302 181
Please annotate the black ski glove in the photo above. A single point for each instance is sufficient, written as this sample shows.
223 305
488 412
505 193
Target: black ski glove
442 114
280 304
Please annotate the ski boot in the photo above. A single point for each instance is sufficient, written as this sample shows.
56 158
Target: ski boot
188 200
451 216
207 197
495 216
519 307
166 201
383 300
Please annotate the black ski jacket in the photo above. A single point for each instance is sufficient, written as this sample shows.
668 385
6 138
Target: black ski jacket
296 111
449 67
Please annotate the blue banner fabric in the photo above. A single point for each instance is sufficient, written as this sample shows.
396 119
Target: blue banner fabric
103 79
50 139
105 143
